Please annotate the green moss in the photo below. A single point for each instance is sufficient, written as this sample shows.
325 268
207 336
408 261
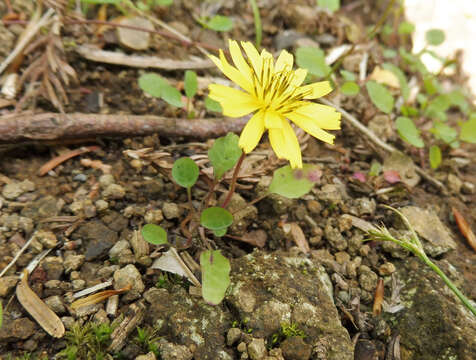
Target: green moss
287 330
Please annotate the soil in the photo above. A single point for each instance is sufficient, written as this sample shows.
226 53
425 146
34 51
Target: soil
88 210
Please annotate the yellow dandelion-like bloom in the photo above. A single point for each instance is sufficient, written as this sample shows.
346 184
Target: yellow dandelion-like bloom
274 92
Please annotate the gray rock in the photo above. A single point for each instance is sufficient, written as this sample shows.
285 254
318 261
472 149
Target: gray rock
454 183
134 39
257 349
78 284
365 206
12 191
468 188
170 351
106 180
368 279
46 238
119 248
171 211
428 226
275 281
114 192
73 262
405 167
435 324
7 283
53 265
101 205
334 237
286 39
98 237
154 216
332 193
42 208
148 356
129 275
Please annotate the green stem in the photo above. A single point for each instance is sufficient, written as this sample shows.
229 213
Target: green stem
450 284
233 181
257 18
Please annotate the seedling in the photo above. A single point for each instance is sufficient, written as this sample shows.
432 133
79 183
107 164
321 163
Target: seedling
414 245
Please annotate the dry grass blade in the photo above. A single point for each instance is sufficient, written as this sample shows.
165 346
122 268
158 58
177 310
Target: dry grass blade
378 298
50 165
465 228
45 317
97 298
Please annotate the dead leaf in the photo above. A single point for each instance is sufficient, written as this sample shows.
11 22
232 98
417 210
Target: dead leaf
50 165
299 238
378 298
98 297
385 77
464 228
171 261
43 315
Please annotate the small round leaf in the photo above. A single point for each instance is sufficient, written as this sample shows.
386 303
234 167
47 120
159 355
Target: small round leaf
154 234
435 37
350 88
294 183
216 218
185 172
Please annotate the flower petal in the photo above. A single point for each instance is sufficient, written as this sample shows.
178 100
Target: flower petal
293 150
254 57
284 62
252 132
238 58
310 125
276 139
232 73
235 103
316 90
326 117
272 120
299 76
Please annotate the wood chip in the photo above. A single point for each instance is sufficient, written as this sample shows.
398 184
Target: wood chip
135 316
45 317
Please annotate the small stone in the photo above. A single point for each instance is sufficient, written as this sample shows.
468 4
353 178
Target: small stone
46 238
368 279
101 317
54 303
306 42
352 266
80 177
366 206
171 211
114 192
170 351
468 188
105 180
101 205
129 275
73 262
154 216
53 265
134 39
454 183
7 283
68 322
334 237
232 336
342 257
332 193
18 329
78 284
119 248
148 356
257 349
324 257
382 126
386 269
241 347
12 191
294 348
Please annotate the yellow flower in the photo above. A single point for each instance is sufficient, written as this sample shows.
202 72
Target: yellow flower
274 92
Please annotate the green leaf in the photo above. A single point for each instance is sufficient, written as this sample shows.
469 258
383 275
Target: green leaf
444 132
409 111
435 156
164 2
380 96
190 83
216 218
331 5
215 276
185 172
220 23
435 37
389 53
294 183
457 98
408 131
350 88
437 107
402 80
220 233
172 95
224 154
413 61
313 60
468 130
406 27
152 84
347 75
431 85
212 105
375 168
154 234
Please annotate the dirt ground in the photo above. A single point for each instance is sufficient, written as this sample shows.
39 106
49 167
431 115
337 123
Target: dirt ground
285 301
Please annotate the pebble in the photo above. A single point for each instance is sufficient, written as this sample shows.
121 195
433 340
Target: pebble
386 269
53 265
106 180
73 262
14 189
119 248
171 211
80 177
334 237
171 351
18 329
454 183
295 348
257 349
101 205
367 279
232 336
467 188
154 216
78 284
241 347
342 257
54 303
7 283
148 356
134 39
114 192
46 238
129 275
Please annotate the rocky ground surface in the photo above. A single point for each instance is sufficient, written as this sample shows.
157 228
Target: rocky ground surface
283 302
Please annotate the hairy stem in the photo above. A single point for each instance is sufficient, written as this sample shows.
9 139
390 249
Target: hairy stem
233 180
